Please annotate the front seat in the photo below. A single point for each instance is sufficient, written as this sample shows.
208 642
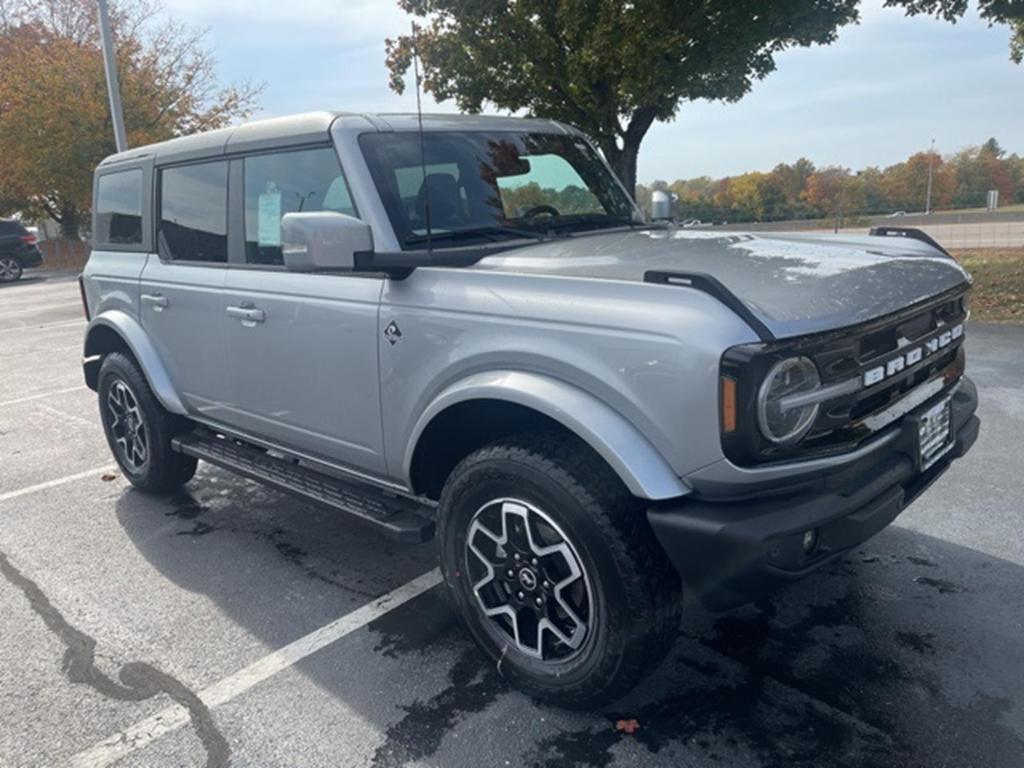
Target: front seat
445 201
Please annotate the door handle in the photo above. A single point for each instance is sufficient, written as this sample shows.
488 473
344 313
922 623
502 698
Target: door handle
247 314
156 300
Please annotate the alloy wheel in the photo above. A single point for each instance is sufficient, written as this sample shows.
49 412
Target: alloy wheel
10 269
528 579
127 425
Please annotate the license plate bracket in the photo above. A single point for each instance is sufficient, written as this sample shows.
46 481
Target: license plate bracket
933 429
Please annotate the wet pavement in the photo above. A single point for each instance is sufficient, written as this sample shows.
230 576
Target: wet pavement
116 608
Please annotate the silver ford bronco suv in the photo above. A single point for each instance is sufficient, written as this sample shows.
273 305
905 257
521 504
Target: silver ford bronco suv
468 327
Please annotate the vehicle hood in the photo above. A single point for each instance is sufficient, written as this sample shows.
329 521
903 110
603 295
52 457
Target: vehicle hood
794 284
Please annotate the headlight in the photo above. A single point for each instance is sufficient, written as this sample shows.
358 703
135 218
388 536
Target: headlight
786 423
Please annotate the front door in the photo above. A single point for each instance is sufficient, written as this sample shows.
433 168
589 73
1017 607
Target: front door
182 286
303 362
302 347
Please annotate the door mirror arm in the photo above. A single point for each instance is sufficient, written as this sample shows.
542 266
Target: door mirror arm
398 265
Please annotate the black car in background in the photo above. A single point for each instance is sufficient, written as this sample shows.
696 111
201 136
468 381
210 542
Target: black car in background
18 250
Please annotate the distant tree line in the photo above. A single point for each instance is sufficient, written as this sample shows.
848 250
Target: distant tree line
802 191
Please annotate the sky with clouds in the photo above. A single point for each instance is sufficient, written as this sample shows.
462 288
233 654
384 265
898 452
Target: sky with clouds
885 89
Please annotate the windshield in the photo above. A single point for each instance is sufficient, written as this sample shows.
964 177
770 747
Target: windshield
487 187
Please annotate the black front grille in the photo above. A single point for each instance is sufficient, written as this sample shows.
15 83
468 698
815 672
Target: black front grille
876 344
847 354
875 347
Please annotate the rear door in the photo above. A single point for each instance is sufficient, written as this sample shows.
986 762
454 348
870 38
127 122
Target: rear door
303 347
182 288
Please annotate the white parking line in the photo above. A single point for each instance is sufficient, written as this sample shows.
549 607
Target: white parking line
59 324
97 471
35 310
65 416
149 730
30 398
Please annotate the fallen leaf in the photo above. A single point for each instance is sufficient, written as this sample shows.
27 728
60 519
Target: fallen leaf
108 478
627 726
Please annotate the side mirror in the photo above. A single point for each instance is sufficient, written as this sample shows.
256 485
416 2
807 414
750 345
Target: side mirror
323 241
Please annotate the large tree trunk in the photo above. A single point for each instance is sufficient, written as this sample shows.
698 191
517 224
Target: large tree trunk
69 221
623 162
623 158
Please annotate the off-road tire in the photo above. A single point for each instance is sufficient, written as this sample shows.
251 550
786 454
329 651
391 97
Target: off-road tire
163 470
636 592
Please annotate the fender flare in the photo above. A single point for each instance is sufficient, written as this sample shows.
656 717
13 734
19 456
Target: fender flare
131 332
631 456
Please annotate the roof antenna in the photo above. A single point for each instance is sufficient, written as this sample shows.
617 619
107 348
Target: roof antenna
423 152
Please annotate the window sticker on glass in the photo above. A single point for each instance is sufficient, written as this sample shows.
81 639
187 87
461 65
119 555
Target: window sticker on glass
269 230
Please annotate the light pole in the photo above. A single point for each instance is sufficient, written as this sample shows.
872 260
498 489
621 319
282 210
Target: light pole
928 201
113 87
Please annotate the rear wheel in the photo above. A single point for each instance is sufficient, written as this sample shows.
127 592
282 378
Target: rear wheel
139 430
555 571
10 269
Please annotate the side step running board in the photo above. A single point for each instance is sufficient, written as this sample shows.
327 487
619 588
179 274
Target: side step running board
400 518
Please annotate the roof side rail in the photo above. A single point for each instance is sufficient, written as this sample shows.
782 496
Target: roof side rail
714 287
910 232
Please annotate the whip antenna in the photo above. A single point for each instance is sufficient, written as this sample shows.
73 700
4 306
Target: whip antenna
423 152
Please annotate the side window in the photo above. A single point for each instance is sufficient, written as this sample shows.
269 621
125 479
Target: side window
194 212
119 208
288 182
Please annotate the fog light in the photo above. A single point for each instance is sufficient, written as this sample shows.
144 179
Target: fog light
810 541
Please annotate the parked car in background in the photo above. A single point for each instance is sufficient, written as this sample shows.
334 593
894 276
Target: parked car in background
19 250
464 327
897 214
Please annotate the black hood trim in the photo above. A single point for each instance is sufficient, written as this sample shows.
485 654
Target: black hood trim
714 287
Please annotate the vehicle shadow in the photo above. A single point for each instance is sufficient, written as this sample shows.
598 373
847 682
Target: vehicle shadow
908 652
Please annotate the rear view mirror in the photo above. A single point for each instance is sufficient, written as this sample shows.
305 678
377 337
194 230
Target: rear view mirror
518 167
323 241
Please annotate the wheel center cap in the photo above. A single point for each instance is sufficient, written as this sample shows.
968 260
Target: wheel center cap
528 579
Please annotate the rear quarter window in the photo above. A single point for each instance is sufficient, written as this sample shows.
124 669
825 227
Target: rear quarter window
119 208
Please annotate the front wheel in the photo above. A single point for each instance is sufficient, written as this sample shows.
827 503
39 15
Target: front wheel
139 430
10 269
555 571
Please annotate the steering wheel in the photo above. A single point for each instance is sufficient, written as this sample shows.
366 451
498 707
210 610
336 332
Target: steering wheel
537 210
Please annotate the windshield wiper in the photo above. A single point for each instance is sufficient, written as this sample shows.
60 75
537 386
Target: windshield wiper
586 221
491 232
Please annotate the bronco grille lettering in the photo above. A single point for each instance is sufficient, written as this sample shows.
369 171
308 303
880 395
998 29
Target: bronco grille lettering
912 357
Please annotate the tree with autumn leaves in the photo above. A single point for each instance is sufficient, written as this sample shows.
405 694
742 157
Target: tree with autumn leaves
55 122
614 68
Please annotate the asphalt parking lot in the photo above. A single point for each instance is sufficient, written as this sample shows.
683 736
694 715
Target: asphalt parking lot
183 631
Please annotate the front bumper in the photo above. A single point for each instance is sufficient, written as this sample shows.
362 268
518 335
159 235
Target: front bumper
731 553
